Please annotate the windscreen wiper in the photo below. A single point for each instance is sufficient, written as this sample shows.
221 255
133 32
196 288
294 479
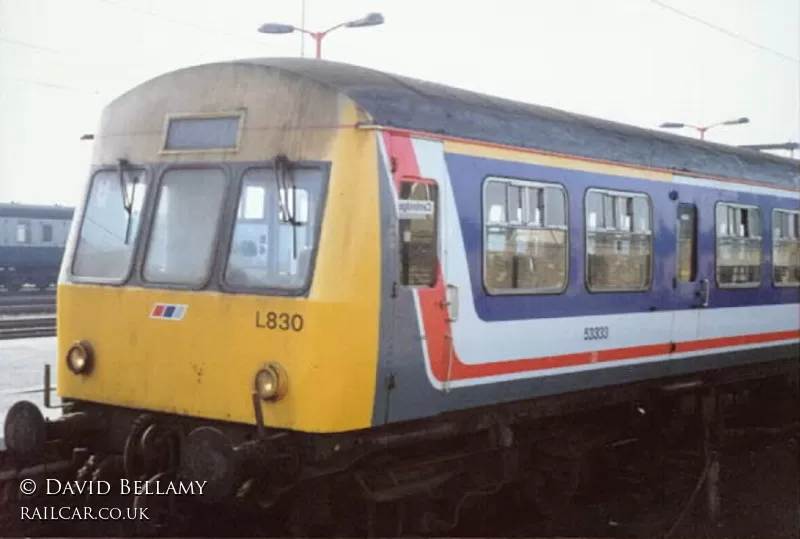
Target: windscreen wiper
285 181
122 164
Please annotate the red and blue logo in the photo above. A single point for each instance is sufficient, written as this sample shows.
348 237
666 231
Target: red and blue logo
168 311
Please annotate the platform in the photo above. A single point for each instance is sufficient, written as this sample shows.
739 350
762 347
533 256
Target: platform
22 364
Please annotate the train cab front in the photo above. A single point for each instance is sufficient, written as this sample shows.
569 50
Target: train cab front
212 275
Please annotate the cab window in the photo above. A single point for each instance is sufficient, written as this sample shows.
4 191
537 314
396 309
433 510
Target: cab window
275 230
110 225
183 234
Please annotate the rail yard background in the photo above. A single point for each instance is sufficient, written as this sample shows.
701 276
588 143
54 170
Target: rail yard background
27 313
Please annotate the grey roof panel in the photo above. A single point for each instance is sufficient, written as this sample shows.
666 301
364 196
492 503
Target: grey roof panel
413 104
32 211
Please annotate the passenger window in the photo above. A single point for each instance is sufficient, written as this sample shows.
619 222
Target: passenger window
687 242
739 246
619 241
47 233
110 225
785 248
182 239
417 218
23 232
275 232
525 237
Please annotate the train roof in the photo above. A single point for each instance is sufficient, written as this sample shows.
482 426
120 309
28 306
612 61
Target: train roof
406 103
35 211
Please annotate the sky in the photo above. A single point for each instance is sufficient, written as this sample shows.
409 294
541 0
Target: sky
641 62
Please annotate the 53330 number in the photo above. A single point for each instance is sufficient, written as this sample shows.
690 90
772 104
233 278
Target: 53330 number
595 333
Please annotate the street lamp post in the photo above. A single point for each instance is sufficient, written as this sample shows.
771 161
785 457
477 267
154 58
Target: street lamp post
373 19
702 129
790 146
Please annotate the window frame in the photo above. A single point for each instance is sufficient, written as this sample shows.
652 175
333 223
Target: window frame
772 246
436 225
509 224
229 225
142 228
47 227
239 114
26 226
143 249
738 286
695 236
650 235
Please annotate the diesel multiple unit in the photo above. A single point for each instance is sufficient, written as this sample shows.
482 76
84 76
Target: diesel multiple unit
289 276
32 242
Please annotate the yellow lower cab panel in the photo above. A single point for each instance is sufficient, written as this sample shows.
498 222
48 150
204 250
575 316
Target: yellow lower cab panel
200 358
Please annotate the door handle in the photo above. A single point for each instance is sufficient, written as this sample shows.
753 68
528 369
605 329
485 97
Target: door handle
451 302
706 292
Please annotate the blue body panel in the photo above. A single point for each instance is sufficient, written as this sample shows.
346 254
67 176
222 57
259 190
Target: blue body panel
26 257
38 259
468 174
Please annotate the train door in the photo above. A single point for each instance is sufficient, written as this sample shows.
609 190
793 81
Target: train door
439 301
422 201
691 280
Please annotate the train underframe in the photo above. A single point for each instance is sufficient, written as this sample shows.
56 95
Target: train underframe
13 279
418 476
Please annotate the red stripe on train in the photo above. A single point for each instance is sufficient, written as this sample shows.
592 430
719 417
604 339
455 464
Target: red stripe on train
461 371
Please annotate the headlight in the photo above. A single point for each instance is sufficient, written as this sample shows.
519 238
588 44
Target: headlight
80 358
271 382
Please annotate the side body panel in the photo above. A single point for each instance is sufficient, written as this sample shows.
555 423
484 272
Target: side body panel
515 347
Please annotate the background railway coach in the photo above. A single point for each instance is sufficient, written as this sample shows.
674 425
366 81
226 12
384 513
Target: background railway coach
32 242
332 285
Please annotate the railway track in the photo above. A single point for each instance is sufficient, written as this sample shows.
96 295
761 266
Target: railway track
34 308
24 328
22 294
35 302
